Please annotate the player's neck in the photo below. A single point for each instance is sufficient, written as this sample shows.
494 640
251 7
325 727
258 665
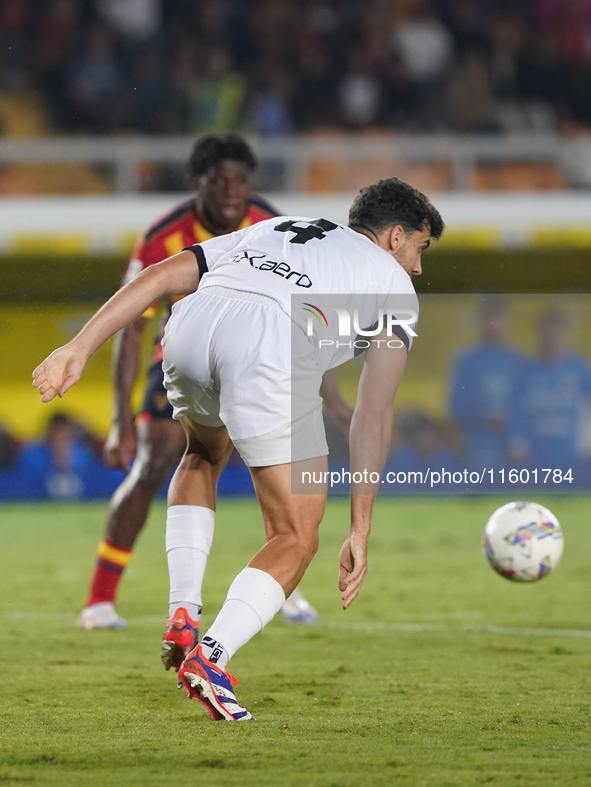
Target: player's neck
382 241
363 231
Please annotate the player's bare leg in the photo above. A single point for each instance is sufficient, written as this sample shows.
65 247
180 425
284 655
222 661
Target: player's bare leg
160 444
257 593
189 532
196 478
291 522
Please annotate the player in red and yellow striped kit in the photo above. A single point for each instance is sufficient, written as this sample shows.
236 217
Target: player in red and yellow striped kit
221 167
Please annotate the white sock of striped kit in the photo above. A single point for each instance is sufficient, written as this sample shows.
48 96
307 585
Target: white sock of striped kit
253 600
189 533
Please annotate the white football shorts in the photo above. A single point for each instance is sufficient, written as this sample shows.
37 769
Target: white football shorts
227 361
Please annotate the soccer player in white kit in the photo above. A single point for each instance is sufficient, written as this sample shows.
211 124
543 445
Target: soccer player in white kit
235 351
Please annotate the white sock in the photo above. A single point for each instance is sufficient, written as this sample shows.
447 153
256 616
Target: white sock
189 533
253 600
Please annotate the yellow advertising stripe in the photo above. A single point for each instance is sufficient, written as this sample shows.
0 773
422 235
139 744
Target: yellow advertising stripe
472 238
126 241
113 555
68 244
561 237
461 238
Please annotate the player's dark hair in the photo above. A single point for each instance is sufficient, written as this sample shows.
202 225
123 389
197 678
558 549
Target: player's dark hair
391 203
215 148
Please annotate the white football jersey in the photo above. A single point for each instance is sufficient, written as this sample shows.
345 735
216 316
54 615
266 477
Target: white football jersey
334 283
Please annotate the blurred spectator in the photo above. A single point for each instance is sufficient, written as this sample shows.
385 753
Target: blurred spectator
570 24
552 11
137 19
422 446
148 95
471 104
425 48
541 76
100 65
8 450
315 100
424 45
507 34
181 78
212 21
57 39
483 388
399 97
15 20
13 483
467 23
272 110
546 419
359 94
216 97
96 82
61 462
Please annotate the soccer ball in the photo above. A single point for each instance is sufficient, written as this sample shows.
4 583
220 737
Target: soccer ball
523 541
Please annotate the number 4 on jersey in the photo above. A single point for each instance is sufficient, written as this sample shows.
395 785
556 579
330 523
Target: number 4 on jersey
315 229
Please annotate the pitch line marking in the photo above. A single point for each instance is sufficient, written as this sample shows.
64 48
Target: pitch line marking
347 625
425 628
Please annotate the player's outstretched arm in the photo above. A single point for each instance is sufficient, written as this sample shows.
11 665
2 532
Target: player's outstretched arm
178 275
371 430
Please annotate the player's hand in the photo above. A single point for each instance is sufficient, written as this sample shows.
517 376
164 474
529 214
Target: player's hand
120 447
59 372
352 568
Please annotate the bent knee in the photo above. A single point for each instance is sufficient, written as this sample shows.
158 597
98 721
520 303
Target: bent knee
196 461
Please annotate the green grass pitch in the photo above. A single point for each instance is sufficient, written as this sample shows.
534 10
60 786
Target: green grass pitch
441 673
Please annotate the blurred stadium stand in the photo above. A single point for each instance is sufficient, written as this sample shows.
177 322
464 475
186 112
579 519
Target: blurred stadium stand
275 66
409 76
339 162
483 104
